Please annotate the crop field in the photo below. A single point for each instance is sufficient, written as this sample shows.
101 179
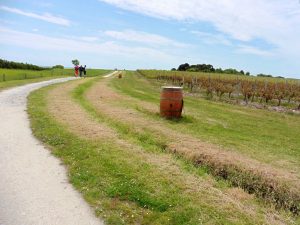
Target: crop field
276 91
219 164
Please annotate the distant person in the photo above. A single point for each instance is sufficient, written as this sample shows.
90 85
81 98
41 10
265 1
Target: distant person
80 70
76 70
84 70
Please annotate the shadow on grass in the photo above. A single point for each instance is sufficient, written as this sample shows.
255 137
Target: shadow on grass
156 115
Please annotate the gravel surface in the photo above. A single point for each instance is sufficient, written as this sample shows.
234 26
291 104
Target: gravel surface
34 187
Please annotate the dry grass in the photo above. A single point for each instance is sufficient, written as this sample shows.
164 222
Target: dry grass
68 112
275 185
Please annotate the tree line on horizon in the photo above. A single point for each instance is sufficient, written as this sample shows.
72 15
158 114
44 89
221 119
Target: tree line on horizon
208 68
5 64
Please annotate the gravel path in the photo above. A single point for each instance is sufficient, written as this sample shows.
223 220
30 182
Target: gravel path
111 74
34 187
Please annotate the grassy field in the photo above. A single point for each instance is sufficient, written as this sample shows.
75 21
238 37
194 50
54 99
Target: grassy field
13 74
13 77
269 137
108 133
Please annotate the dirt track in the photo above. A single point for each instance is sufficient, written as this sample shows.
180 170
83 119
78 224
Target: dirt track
34 186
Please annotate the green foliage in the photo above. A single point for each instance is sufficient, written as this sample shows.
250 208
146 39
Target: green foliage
207 68
58 67
263 75
75 62
16 65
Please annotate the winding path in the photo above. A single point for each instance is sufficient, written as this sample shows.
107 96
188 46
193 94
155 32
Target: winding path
34 187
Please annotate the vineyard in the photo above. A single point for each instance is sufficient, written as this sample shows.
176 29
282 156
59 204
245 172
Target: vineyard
250 89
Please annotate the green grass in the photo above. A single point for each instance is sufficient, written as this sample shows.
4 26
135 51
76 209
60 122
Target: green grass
267 136
14 74
124 187
128 132
14 83
12 77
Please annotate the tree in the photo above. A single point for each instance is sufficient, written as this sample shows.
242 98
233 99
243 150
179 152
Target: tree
75 62
263 75
173 69
58 67
17 65
183 67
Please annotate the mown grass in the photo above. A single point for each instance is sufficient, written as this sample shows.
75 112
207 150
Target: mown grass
202 123
274 192
15 77
126 131
266 136
16 74
123 187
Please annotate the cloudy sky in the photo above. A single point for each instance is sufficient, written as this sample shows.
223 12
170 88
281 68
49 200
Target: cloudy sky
260 36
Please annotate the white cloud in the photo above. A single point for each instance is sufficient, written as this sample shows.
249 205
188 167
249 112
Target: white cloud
81 38
274 21
210 38
246 49
45 17
57 44
143 37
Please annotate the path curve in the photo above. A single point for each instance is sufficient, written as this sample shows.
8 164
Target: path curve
34 186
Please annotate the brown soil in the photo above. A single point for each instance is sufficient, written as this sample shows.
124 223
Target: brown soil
69 113
221 161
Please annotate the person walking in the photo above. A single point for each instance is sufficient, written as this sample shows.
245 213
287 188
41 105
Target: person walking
76 70
84 71
80 70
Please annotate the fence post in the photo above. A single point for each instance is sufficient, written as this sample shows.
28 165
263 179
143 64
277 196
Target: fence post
25 76
3 77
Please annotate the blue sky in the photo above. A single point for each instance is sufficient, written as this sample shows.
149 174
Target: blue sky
260 36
